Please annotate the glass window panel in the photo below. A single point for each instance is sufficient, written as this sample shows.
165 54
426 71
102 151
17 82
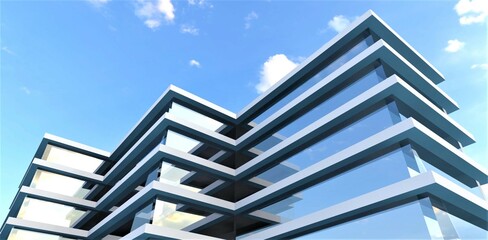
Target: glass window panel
349 135
173 175
341 60
364 83
143 216
19 234
71 159
189 145
180 142
57 183
464 229
167 215
48 212
279 172
270 142
380 172
421 154
194 117
403 222
371 124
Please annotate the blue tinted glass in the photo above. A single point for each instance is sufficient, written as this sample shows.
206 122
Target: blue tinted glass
364 83
466 230
403 222
279 172
349 135
143 216
429 167
270 142
354 51
383 171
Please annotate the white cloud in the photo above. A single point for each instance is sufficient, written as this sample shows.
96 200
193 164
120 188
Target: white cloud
194 63
483 66
98 3
201 3
249 18
275 68
154 11
167 8
152 23
339 23
185 28
25 90
472 11
7 50
454 45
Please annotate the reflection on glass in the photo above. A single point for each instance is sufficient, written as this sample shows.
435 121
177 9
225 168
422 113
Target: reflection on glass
189 145
19 234
347 136
269 142
166 214
48 212
180 142
422 154
173 175
403 222
380 172
194 117
463 229
143 216
57 183
364 83
279 172
71 159
341 60
361 129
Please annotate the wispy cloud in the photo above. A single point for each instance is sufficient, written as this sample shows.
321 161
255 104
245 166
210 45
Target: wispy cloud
339 23
454 45
472 11
98 3
249 18
190 29
25 90
194 63
201 3
483 66
275 68
7 50
112 28
153 12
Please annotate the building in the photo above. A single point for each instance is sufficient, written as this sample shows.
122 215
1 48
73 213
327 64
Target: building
356 142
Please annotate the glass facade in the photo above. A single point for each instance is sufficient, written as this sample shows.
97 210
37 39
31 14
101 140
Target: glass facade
462 228
403 222
373 175
57 183
71 159
341 59
423 154
195 117
167 215
372 123
236 201
338 98
19 234
48 212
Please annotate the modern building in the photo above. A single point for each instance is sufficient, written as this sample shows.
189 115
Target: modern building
356 142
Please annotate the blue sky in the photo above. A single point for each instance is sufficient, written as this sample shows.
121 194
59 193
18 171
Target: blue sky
88 70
